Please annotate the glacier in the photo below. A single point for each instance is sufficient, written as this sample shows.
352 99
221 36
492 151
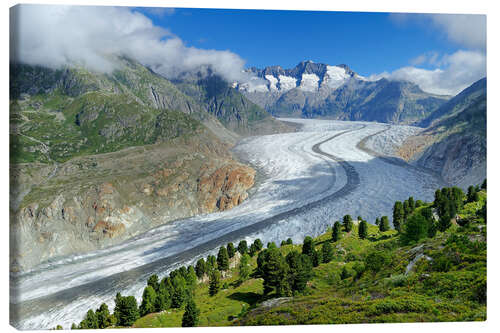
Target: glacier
300 191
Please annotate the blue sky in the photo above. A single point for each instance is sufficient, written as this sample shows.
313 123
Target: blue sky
443 54
368 42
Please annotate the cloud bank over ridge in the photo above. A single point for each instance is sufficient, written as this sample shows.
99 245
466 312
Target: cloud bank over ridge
56 36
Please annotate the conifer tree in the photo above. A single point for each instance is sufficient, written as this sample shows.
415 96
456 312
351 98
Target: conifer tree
201 268
253 250
336 231
347 221
103 316
211 263
244 269
148 301
398 214
258 244
317 258
243 247
275 273
191 277
179 292
191 314
327 251
231 251
308 246
363 229
214 283
222 259
126 310
300 270
153 282
411 204
384 224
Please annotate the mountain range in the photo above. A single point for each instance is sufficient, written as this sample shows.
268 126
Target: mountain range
315 90
97 158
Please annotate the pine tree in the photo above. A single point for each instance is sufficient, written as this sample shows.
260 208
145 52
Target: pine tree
444 223
201 268
191 277
300 270
327 251
483 185
363 229
179 292
126 310
162 301
411 204
406 209
308 246
414 229
384 224
222 259
148 301
258 244
153 282
289 241
317 258
336 231
231 251
90 321
471 190
211 263
271 245
253 250
191 314
103 316
347 221
377 222
243 247
398 214
244 268
275 273
214 283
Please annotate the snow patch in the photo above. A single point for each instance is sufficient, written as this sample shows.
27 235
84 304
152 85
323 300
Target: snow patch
287 82
272 82
335 77
309 82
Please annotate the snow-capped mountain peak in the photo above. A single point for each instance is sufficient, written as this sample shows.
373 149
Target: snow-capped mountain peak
307 76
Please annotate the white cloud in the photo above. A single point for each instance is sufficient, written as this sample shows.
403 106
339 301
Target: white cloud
455 72
464 29
426 58
55 36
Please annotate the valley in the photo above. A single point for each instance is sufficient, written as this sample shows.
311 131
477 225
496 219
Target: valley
308 179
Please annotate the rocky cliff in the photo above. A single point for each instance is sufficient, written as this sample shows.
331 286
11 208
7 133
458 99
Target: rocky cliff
455 142
95 201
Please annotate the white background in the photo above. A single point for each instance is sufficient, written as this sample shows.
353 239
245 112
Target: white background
418 6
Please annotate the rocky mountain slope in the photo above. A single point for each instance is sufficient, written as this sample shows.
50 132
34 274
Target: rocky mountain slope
98 158
455 142
312 90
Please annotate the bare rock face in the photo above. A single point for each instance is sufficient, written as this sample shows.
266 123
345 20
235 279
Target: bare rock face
96 201
224 188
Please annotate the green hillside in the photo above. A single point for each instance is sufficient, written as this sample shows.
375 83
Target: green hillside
432 270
